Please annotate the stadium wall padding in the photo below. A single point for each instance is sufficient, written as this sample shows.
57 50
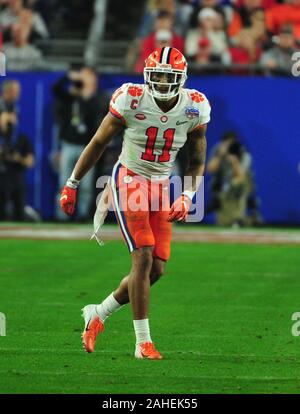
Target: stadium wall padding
263 110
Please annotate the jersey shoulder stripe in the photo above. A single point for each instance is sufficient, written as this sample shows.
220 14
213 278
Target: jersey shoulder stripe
116 114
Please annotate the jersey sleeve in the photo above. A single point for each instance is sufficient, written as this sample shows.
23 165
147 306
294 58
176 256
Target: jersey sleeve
118 103
201 103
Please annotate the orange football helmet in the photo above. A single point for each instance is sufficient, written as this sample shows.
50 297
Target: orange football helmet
165 72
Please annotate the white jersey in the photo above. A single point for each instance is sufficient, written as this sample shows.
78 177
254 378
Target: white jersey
152 138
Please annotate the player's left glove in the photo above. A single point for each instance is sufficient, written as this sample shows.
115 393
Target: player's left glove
68 196
180 208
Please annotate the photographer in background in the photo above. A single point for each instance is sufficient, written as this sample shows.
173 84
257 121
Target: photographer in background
78 113
16 155
232 184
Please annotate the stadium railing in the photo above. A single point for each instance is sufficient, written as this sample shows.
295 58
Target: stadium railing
111 58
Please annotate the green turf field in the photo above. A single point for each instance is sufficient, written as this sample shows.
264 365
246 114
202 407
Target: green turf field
221 317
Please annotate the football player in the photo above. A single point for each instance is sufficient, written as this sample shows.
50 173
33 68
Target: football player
157 117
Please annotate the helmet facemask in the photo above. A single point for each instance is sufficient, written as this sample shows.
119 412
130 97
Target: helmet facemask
163 81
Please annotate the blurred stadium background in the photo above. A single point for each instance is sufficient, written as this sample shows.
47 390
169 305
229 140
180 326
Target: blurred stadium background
245 274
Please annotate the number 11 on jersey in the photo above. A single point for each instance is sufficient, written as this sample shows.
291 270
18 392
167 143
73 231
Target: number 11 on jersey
151 133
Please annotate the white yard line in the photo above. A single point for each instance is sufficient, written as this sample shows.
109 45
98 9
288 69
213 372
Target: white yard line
179 234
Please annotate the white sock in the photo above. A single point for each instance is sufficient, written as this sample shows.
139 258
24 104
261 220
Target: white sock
142 331
107 307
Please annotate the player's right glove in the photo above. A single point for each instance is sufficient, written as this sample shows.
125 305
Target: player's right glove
180 208
68 196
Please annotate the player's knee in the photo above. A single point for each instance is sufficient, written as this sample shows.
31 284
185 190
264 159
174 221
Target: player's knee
144 258
157 271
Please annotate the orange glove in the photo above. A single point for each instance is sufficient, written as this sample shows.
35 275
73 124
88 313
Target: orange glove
68 200
180 208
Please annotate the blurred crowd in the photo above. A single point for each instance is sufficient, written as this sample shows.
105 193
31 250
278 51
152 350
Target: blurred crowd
214 32
27 28
20 26
209 32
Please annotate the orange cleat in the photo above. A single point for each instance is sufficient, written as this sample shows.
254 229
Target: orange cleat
93 326
147 350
